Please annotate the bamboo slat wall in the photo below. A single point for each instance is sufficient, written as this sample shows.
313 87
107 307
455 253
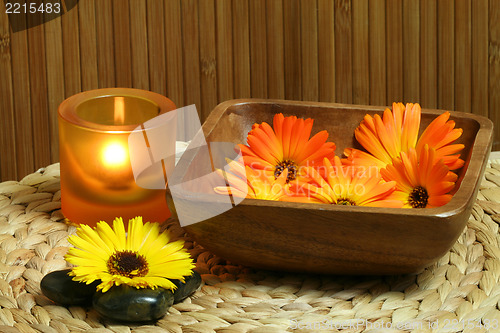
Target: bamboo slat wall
443 54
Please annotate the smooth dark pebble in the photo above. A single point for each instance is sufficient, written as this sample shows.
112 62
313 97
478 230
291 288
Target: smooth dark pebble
185 289
125 303
59 287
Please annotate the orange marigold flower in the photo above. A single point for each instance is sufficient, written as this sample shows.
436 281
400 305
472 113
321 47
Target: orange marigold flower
396 131
344 185
439 135
422 180
245 182
286 146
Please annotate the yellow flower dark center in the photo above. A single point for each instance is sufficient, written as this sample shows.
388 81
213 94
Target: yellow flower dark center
346 202
288 164
127 263
418 197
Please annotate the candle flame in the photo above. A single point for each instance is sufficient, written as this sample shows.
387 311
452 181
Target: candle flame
115 154
119 110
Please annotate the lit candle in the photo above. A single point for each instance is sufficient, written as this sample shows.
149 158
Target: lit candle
97 182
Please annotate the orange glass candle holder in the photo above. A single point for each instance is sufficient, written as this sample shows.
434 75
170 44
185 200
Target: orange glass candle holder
97 182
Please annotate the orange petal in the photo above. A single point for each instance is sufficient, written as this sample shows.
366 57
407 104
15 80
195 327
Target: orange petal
410 167
258 163
387 141
369 123
273 142
303 138
380 191
411 126
436 175
398 110
438 201
287 135
457 164
396 172
246 151
371 143
297 128
360 158
261 149
313 145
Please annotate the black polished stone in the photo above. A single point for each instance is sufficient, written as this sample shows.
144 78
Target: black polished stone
185 289
125 303
59 287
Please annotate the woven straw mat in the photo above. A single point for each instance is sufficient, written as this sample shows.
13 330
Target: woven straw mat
461 292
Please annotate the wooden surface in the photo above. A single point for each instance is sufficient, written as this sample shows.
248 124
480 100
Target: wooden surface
444 54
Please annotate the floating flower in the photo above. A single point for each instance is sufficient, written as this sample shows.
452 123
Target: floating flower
287 146
396 131
246 182
142 257
345 185
422 180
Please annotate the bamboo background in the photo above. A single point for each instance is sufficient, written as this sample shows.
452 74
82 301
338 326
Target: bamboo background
443 54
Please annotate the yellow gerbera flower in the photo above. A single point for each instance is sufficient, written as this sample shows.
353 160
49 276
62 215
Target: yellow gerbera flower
245 182
423 180
345 185
286 146
396 131
140 257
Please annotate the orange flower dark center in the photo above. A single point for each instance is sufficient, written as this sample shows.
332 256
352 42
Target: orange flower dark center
127 263
346 202
288 164
418 197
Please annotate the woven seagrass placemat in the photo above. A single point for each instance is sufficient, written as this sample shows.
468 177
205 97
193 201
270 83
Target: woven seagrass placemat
461 292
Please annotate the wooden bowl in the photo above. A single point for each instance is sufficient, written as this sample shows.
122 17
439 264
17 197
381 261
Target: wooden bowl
320 238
